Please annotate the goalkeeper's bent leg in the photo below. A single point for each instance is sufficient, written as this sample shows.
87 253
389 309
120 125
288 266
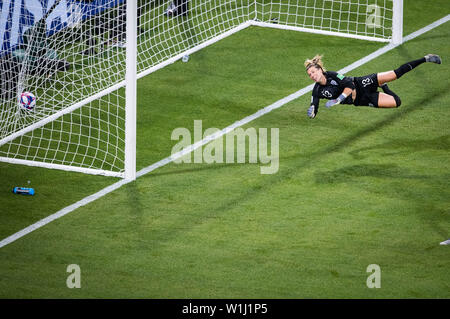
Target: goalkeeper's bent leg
387 90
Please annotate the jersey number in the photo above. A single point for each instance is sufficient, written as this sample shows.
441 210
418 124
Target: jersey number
367 81
327 94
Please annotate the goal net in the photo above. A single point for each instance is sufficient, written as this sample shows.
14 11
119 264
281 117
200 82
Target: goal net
73 56
363 19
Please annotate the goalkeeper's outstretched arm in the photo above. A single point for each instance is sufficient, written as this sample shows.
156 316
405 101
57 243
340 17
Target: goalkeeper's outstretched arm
314 107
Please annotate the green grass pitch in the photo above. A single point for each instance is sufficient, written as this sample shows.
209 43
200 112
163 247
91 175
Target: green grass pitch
356 186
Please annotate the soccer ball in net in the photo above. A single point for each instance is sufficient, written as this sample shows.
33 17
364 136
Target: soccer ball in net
27 101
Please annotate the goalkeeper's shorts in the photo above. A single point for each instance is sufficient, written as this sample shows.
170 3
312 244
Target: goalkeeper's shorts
366 90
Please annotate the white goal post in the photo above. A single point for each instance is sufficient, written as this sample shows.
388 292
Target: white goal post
81 60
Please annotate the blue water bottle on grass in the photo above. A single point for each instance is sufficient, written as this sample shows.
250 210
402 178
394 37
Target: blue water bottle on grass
23 190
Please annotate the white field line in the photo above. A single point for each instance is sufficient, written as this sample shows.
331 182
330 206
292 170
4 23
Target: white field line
210 138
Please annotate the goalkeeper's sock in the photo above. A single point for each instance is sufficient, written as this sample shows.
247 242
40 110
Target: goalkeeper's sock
408 67
387 90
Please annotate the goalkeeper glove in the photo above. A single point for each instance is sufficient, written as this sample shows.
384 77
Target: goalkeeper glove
311 112
336 101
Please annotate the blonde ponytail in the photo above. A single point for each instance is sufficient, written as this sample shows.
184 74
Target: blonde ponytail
316 62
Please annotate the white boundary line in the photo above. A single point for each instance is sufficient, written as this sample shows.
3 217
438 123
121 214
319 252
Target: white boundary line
209 138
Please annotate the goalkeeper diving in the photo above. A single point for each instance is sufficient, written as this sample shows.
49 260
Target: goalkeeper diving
359 91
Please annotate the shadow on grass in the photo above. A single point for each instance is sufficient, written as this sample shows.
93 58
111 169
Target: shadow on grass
405 146
349 174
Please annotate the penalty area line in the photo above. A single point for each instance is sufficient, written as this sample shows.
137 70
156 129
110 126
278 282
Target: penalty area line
191 148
